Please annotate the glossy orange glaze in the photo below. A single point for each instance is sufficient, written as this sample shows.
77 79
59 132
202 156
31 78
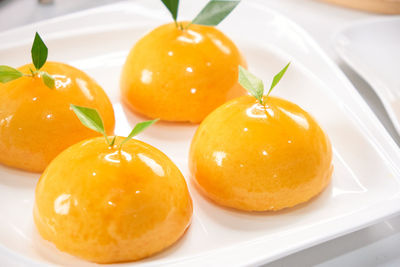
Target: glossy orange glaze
107 206
251 157
36 122
181 75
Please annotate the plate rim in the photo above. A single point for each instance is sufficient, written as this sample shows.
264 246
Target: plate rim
360 70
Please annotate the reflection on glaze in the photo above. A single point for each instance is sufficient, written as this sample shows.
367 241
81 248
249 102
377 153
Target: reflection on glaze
219 156
84 88
298 118
4 122
111 203
62 203
115 157
146 76
221 46
191 37
48 116
61 81
259 111
157 169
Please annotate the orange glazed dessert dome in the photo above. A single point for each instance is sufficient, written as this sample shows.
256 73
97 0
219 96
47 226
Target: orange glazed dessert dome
112 202
260 154
36 122
182 71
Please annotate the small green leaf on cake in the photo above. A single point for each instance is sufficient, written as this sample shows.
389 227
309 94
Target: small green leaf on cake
251 83
140 127
8 74
214 12
39 52
255 85
48 80
91 119
172 6
113 141
39 56
277 78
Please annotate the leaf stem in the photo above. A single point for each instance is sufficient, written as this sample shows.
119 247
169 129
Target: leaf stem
113 141
32 74
178 25
187 26
107 139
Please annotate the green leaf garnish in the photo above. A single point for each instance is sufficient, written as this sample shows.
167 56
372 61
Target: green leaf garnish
48 80
277 78
113 141
39 56
251 83
255 86
39 52
8 74
214 12
172 6
141 126
91 119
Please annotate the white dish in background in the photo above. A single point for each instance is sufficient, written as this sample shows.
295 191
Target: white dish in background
372 48
366 180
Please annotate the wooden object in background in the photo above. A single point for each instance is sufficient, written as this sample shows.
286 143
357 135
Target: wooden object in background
375 6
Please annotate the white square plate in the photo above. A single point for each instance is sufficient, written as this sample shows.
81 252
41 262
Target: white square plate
371 48
366 181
